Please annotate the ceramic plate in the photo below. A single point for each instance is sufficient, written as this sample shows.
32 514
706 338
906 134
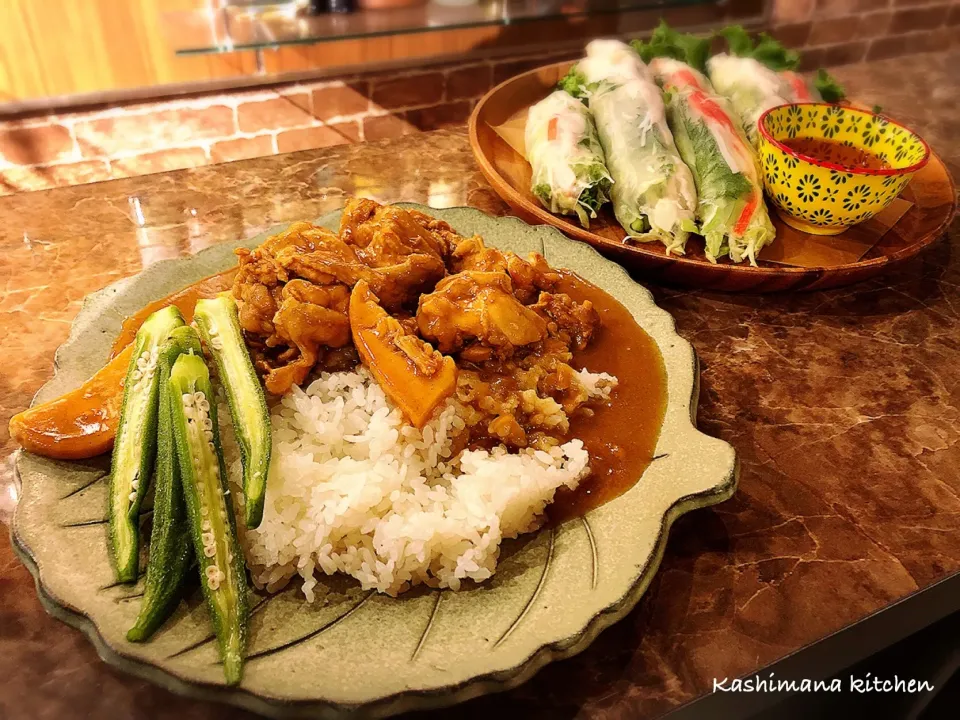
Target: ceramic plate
931 191
553 592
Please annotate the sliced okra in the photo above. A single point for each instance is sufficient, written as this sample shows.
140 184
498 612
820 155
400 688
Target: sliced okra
171 547
219 325
203 477
135 445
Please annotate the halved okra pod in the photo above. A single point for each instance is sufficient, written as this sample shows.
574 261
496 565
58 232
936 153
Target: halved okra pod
219 326
203 476
135 446
171 547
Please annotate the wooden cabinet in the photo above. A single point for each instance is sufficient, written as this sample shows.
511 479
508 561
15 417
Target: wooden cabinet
51 48
77 51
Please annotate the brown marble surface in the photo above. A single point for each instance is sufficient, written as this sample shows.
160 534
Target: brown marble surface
843 405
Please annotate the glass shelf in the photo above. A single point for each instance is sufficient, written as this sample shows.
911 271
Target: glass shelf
251 25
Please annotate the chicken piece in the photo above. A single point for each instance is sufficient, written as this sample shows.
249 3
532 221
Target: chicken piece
256 306
412 374
572 322
309 318
402 284
384 234
476 305
440 229
472 254
375 248
328 262
395 285
530 276
303 236
260 277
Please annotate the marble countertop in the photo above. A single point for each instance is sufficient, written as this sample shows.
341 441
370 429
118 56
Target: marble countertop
844 407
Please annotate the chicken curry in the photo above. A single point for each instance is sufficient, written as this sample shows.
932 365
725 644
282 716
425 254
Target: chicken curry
433 316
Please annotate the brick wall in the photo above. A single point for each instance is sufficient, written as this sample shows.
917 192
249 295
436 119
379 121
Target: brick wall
93 144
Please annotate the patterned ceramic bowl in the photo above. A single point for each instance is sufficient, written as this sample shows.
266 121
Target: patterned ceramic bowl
826 194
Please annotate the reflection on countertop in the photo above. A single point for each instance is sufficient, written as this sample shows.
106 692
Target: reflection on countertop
844 407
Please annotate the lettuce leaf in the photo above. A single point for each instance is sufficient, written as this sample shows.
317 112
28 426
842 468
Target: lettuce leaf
738 40
543 192
713 176
667 42
574 83
830 90
767 50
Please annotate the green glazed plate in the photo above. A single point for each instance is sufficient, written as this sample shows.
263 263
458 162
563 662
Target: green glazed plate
553 593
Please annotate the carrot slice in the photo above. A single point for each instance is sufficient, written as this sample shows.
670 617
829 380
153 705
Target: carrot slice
684 78
552 129
740 227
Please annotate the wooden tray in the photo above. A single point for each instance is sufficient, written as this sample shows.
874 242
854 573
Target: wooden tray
931 192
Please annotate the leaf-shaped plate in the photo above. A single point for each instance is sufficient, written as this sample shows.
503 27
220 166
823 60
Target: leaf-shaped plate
553 592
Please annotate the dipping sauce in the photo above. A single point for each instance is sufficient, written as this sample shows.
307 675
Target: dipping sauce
837 153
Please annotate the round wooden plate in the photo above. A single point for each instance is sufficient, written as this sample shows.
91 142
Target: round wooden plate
931 192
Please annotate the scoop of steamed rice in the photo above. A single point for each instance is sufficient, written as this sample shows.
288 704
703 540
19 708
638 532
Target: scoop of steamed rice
354 489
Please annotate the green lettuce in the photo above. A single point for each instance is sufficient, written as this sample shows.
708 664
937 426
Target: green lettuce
575 83
713 176
667 42
767 50
830 90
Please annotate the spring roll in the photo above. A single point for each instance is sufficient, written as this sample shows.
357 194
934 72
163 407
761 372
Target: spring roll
653 193
759 75
796 89
750 87
569 173
731 214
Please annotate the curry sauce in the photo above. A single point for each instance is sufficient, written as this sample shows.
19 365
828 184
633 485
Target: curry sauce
185 300
621 435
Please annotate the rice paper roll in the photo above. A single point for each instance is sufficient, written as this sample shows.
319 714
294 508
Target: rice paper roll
796 89
760 73
569 174
750 87
753 88
731 214
653 193
680 73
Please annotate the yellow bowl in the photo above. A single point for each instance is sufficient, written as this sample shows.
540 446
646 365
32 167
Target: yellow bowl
822 197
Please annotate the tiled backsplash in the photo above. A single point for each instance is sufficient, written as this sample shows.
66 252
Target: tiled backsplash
137 138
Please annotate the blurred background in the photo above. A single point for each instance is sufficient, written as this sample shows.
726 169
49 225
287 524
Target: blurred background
97 89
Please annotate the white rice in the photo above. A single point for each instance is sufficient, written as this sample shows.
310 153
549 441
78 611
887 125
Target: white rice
354 489
597 385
